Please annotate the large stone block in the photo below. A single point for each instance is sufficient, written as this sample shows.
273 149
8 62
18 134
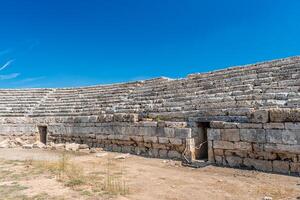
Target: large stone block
274 126
274 136
259 116
150 139
183 133
245 146
223 145
281 166
282 148
291 137
285 115
292 126
234 161
250 126
222 125
174 155
176 124
230 134
125 117
295 167
253 135
261 165
176 141
163 140
213 134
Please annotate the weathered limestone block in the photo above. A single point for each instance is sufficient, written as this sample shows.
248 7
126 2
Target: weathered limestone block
213 134
262 155
262 165
81 119
168 132
288 157
285 115
250 126
222 125
274 126
223 145
176 141
183 133
153 153
140 151
218 152
150 139
253 135
137 138
274 136
160 146
230 134
291 137
163 153
147 124
239 153
163 140
127 149
295 167
245 146
234 161
259 116
281 166
292 126
282 148
175 124
105 118
174 155
219 160
125 117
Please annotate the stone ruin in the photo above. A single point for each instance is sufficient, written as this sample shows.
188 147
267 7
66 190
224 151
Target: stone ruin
245 116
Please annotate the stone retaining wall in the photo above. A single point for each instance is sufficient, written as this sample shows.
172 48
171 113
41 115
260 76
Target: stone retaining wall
270 143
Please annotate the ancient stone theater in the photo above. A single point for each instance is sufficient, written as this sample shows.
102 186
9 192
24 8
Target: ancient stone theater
245 116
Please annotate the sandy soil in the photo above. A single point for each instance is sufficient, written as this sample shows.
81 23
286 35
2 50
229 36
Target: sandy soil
145 178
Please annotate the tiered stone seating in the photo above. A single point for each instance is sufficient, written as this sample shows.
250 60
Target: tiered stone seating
20 102
230 93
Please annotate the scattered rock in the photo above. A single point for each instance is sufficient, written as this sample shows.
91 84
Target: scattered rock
267 198
123 156
72 146
84 151
95 150
59 146
83 146
99 155
4 144
19 141
39 145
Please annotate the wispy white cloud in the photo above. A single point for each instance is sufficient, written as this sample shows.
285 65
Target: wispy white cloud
5 51
9 76
6 65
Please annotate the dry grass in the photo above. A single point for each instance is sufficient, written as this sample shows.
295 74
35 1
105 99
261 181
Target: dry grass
115 183
111 182
64 170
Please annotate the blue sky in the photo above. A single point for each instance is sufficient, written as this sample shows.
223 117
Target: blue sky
66 43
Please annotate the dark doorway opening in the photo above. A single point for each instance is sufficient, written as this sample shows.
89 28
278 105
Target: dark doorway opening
43 134
201 144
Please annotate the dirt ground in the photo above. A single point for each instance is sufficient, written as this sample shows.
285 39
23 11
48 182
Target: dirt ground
46 174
